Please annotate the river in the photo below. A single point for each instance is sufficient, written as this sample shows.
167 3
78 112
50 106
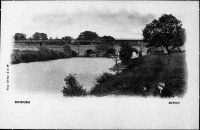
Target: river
48 77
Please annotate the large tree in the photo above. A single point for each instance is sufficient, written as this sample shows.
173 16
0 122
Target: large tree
40 36
87 35
20 36
108 38
68 39
167 31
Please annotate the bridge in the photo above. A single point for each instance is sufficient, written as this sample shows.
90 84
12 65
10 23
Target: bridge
83 50
84 46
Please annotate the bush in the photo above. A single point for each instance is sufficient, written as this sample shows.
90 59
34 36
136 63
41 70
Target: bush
43 54
73 88
100 88
15 58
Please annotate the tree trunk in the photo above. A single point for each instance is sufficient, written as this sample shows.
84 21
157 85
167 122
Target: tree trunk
168 51
117 67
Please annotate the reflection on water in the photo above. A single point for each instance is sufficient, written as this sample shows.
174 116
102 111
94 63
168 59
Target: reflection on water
48 77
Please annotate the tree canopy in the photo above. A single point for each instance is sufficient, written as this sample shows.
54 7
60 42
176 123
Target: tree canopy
167 31
20 36
40 36
67 38
87 35
108 38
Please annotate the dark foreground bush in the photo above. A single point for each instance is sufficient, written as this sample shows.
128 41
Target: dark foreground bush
43 54
73 88
100 87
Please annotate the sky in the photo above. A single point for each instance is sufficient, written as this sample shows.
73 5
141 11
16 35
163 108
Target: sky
120 19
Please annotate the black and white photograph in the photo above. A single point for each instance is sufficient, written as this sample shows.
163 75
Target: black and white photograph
99 64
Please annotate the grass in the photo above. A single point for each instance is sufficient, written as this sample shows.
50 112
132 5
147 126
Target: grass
147 71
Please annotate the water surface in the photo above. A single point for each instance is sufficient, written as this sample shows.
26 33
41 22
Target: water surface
48 77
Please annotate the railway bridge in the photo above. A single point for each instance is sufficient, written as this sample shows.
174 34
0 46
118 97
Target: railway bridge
84 47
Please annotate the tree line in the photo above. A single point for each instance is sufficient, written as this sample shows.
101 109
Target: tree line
86 35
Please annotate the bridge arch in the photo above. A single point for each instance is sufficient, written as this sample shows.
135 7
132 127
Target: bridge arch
74 53
90 52
135 50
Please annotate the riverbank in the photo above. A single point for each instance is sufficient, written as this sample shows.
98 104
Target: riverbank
147 71
43 54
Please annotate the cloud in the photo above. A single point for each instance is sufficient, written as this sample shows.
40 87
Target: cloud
102 21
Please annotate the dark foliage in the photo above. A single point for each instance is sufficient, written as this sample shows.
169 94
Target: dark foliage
72 88
40 36
105 48
20 36
43 54
166 31
142 75
111 51
125 52
100 88
68 39
87 35
67 49
74 54
107 39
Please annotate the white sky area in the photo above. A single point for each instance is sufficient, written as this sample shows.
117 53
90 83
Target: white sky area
121 19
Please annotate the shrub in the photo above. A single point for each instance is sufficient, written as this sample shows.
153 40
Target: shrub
15 58
43 54
100 88
73 88
43 49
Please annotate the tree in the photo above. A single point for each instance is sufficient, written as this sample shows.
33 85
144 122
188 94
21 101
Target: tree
68 39
73 87
108 38
105 48
67 49
20 36
125 52
167 31
106 45
40 36
87 35
115 58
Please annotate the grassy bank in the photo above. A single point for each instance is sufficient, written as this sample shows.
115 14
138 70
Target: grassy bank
146 71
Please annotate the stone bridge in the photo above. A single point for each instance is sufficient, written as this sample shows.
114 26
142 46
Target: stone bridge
83 49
